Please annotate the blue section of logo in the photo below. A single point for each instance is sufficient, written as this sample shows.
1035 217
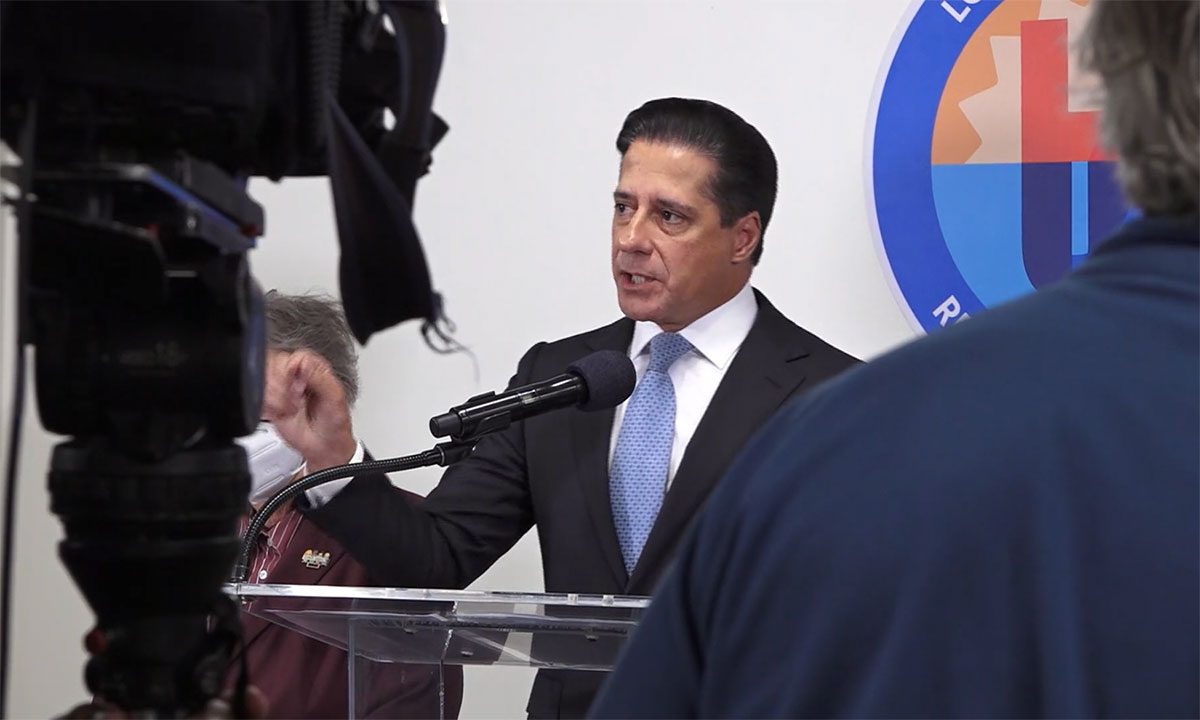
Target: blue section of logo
1079 211
979 210
902 176
963 237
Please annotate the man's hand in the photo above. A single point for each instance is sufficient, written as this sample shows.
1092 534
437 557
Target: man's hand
307 404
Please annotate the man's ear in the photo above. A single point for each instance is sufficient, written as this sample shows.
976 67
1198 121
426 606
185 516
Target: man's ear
747 234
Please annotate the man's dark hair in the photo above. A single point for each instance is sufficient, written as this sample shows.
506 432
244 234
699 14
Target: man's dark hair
746 178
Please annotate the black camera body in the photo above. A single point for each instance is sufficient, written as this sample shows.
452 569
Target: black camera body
138 125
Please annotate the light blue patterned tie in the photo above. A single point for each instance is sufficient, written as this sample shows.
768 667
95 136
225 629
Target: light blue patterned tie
638 478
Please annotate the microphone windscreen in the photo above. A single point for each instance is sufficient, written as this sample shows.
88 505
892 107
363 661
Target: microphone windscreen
609 376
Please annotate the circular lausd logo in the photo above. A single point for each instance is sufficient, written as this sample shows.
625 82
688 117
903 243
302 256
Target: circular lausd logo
986 175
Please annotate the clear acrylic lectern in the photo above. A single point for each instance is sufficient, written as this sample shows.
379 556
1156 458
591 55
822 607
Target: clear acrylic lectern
448 627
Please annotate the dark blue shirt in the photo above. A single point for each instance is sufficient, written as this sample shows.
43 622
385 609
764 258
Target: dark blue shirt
1000 520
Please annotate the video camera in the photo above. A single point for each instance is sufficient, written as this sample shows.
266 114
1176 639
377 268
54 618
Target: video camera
137 126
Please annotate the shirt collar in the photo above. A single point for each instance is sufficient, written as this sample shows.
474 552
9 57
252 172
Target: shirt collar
716 336
278 533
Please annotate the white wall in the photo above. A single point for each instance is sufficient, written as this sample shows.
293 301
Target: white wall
515 218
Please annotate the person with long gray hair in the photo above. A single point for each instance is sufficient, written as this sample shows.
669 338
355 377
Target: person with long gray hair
1000 520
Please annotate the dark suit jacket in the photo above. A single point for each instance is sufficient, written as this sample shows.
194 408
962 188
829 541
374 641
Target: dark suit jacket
552 471
1000 521
306 678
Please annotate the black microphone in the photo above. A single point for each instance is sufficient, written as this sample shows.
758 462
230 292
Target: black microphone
596 382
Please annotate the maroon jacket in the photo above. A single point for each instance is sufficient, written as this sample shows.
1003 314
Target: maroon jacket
305 678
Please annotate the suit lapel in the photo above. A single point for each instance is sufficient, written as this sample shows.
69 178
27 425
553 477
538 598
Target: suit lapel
292 569
763 375
590 436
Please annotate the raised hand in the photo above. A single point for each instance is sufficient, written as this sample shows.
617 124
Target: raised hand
307 404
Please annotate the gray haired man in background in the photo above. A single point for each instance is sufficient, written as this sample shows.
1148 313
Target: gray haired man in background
302 677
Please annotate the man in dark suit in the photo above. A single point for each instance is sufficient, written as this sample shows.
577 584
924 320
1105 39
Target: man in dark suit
1000 520
610 492
300 676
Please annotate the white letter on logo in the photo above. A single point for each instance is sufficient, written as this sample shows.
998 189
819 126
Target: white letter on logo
959 16
947 311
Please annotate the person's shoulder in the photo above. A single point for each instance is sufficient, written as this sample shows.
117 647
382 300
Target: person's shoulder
557 354
880 444
613 334
784 330
978 354
912 404
951 435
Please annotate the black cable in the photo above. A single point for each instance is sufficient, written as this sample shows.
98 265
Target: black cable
25 149
441 454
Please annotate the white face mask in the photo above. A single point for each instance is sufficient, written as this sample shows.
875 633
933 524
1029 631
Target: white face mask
273 463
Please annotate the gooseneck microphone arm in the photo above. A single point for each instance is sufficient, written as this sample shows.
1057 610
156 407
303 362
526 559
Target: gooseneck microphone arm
441 454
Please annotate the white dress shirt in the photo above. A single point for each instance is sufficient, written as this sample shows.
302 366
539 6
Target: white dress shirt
716 339
322 494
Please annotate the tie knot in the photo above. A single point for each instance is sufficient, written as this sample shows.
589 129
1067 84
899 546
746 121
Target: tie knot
665 349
